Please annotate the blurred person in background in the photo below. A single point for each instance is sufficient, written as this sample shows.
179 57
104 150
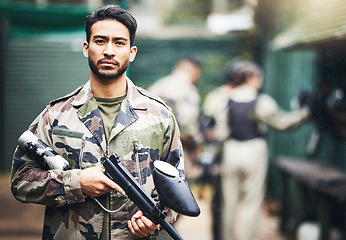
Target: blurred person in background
106 115
179 91
214 105
242 127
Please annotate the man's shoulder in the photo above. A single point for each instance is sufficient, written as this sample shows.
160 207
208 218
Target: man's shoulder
152 97
67 96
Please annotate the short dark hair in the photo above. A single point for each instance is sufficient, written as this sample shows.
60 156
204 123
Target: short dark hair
239 72
189 58
113 12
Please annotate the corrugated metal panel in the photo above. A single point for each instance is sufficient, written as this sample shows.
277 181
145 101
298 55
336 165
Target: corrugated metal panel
322 20
37 71
47 17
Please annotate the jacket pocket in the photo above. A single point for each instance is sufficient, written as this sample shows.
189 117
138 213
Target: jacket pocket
70 145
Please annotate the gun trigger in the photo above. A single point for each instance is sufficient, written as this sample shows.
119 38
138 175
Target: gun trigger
118 194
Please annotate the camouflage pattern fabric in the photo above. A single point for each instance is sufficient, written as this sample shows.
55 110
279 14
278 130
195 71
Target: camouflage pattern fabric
145 130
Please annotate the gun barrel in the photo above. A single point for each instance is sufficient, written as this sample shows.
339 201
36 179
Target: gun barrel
124 179
170 230
137 194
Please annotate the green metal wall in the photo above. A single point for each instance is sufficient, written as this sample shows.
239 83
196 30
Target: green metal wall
285 74
37 70
291 69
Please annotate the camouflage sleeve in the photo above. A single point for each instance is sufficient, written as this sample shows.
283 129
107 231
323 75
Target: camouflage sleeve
32 184
172 150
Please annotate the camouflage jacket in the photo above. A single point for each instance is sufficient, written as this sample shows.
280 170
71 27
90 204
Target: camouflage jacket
145 130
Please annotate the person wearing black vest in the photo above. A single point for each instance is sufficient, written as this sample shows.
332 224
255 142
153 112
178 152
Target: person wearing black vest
242 128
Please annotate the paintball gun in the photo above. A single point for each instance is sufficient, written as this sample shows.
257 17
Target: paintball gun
327 112
172 190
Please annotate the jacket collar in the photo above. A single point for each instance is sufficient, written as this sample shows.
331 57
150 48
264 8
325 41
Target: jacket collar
89 113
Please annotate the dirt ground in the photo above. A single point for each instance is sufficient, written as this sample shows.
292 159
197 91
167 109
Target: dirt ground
20 221
200 228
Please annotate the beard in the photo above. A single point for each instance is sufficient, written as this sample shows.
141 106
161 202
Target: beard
108 73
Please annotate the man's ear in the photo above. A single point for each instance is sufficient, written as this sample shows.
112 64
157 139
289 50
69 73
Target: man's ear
86 49
133 53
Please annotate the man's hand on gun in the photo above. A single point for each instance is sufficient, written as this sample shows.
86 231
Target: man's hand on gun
95 183
141 226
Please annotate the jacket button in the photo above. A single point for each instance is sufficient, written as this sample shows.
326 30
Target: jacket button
97 210
75 198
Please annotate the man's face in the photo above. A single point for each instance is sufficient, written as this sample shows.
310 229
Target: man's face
109 52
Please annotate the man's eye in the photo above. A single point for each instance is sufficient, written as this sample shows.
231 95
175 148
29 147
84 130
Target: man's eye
120 43
99 41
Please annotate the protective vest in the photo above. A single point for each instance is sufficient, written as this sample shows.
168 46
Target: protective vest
241 120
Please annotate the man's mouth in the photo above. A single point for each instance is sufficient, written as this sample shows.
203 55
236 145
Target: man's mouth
108 63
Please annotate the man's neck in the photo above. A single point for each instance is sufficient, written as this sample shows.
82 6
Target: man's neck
111 89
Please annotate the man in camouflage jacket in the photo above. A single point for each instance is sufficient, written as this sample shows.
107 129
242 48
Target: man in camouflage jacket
144 130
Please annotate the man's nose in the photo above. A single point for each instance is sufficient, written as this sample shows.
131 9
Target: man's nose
109 50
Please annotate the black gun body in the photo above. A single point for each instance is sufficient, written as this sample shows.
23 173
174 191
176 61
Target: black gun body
118 173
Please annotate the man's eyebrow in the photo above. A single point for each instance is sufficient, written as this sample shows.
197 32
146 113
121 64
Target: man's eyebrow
105 37
99 36
120 38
